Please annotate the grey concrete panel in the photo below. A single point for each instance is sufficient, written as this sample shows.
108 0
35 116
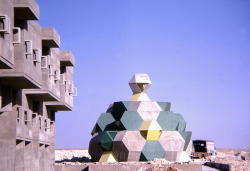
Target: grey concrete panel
51 39
26 9
67 58
119 149
115 167
130 145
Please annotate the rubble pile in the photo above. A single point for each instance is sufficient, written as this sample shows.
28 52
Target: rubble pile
237 158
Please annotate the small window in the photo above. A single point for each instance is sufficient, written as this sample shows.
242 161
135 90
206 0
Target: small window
44 62
34 116
57 75
52 125
4 24
19 114
37 55
51 70
16 35
67 85
26 117
40 123
28 47
47 124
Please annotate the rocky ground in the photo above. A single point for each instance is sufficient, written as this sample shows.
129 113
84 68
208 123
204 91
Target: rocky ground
239 159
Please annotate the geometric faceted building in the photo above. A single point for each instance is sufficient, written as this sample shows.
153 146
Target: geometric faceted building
140 129
36 81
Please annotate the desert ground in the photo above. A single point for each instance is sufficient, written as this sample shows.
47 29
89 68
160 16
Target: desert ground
239 159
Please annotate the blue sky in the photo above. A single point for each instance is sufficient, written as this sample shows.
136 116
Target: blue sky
196 53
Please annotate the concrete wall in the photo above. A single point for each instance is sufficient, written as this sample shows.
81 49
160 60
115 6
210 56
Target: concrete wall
31 91
128 167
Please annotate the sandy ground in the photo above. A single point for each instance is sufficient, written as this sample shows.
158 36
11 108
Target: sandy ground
239 159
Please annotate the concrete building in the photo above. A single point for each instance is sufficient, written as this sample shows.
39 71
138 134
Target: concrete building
36 81
203 148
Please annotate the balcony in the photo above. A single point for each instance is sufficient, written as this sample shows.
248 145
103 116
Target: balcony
26 70
6 45
26 9
50 89
50 38
23 124
66 58
67 92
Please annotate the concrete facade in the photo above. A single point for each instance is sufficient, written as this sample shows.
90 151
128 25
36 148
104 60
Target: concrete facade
36 81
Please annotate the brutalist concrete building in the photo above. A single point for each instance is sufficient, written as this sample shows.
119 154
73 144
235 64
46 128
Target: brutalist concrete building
36 81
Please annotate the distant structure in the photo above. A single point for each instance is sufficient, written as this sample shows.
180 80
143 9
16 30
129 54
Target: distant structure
203 148
140 129
36 81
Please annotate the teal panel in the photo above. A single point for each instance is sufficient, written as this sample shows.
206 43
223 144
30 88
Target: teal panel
106 122
106 141
182 123
152 150
187 137
131 120
168 121
127 104
165 106
112 133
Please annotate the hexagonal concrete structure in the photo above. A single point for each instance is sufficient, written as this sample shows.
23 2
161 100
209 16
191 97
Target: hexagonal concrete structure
140 129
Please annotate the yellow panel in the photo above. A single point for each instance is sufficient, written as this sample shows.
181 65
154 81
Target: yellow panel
108 157
140 97
153 135
145 125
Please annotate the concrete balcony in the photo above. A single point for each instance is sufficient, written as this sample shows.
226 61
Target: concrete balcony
66 58
20 129
67 92
27 130
6 35
26 9
23 125
50 89
26 70
50 38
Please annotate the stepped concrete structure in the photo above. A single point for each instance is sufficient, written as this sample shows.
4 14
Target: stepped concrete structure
140 129
36 81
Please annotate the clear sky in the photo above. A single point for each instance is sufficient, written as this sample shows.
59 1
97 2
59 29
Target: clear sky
196 53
